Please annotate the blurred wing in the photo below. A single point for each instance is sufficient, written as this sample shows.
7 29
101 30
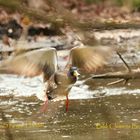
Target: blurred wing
89 59
31 63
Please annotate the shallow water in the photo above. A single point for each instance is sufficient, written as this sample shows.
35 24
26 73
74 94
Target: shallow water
112 117
96 111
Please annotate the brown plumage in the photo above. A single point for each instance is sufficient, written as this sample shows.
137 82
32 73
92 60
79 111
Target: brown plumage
44 61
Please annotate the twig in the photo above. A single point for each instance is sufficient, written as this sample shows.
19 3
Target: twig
115 82
126 65
126 81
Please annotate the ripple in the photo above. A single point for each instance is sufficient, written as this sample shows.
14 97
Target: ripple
134 120
8 102
66 136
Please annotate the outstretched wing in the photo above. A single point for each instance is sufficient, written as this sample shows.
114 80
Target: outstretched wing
89 59
31 63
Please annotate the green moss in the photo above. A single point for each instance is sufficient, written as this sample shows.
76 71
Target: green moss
119 2
136 5
93 1
12 4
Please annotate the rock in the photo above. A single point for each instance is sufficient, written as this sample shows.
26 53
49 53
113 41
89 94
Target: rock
11 29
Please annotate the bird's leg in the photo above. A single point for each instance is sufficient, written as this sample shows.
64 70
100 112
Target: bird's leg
45 105
67 102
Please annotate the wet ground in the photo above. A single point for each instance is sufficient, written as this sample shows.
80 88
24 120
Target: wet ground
96 111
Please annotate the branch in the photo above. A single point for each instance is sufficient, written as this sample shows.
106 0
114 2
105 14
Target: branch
116 82
135 74
126 65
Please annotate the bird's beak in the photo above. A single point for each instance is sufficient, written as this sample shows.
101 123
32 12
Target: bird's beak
76 74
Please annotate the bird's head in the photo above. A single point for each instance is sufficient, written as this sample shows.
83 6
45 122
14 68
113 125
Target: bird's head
73 71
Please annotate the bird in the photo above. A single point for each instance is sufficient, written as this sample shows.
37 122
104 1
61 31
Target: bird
59 80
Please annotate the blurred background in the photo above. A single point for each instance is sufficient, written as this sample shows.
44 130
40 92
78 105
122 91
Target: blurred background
97 110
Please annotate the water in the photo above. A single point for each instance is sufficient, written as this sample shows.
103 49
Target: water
112 117
96 111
